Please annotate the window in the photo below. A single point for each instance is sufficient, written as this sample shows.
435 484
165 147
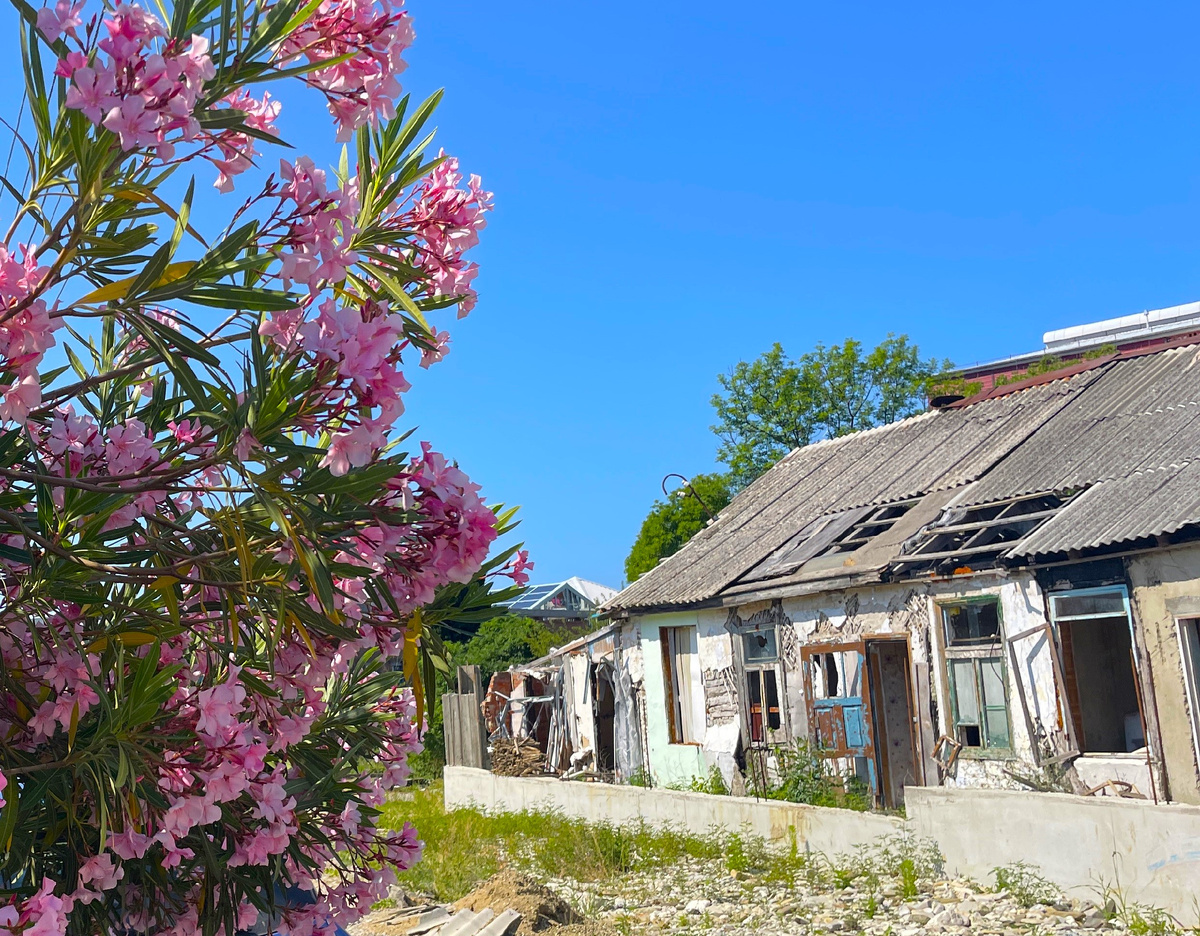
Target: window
836 675
977 674
972 623
1189 645
1095 633
760 646
678 652
760 654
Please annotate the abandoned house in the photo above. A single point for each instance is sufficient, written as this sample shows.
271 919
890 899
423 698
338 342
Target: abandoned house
1002 592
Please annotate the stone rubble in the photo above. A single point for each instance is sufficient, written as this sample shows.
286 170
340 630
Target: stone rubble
703 897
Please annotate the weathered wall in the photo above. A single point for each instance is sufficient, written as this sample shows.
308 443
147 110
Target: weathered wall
669 763
1151 852
817 828
912 610
1166 585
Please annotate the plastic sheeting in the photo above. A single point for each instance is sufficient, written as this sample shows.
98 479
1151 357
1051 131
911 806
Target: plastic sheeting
627 725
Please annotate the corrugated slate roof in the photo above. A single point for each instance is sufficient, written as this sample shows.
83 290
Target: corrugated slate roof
1127 431
1142 413
931 452
1147 503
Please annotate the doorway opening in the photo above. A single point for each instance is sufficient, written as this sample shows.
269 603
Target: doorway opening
1095 631
605 709
890 684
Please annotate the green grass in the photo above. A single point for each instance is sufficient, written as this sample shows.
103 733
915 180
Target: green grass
464 846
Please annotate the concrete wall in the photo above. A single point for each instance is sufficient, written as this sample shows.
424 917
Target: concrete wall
1151 852
1166 586
817 828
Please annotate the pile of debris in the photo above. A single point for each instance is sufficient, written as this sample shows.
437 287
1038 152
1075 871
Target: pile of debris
517 759
507 904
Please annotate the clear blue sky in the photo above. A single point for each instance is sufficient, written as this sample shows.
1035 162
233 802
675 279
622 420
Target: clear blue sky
679 185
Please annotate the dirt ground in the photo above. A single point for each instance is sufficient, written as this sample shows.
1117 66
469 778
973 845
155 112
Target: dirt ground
543 913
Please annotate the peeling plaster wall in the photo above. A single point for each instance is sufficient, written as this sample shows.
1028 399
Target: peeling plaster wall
1166 586
1021 607
912 609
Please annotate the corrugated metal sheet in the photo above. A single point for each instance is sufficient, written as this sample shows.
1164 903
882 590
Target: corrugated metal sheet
1140 414
1147 503
931 452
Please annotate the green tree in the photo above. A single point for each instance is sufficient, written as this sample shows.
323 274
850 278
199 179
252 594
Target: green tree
773 404
504 641
672 523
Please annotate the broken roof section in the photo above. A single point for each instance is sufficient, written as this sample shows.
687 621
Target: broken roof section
1005 470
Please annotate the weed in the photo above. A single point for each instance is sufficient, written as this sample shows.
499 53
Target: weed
787 867
908 878
1026 885
466 846
1151 921
639 778
805 776
871 907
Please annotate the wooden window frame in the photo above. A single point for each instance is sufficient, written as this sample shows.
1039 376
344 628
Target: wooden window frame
678 686
977 653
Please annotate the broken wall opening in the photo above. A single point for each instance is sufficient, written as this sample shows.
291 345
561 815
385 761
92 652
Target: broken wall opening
1098 662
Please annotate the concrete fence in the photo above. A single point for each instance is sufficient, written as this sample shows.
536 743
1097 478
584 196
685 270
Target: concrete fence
818 828
1151 853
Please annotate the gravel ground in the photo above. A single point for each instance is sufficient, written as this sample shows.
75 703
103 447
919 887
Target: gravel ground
698 896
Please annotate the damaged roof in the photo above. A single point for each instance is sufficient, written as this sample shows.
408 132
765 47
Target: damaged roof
1126 432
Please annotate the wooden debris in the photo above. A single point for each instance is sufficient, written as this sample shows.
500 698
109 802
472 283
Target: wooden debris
515 759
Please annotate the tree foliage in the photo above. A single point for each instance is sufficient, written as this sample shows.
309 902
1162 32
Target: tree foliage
774 404
504 641
673 522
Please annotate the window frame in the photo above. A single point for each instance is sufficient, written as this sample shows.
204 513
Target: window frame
977 653
680 727
754 674
1188 629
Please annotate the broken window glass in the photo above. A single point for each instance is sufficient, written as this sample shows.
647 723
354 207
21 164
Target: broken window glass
836 675
972 622
760 646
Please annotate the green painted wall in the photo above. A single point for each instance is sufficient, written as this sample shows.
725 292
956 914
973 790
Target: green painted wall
669 763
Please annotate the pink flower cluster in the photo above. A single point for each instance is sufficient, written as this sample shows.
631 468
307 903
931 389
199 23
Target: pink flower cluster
26 333
143 88
373 34
226 766
358 346
449 219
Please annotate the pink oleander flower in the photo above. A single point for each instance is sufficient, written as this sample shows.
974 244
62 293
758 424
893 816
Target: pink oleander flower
62 19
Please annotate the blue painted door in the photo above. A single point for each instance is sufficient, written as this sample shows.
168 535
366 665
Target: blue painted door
839 717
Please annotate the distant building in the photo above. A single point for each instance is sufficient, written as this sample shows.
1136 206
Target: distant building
564 603
1146 330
